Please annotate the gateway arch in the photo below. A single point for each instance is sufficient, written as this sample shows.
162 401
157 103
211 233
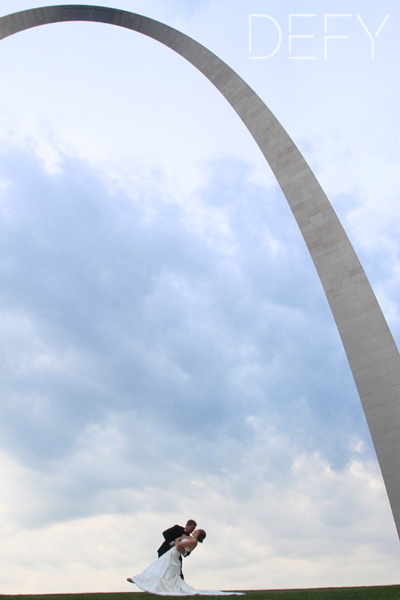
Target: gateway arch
371 351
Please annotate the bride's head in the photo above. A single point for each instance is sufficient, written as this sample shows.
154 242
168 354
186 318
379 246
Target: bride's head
199 535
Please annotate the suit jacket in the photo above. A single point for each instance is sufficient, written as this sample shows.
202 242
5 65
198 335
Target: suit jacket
170 535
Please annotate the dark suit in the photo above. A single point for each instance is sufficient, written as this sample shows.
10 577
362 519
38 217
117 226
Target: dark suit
170 535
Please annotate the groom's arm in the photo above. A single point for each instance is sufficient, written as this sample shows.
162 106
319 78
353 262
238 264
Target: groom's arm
172 533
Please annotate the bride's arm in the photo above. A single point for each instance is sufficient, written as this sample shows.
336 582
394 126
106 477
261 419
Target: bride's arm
188 542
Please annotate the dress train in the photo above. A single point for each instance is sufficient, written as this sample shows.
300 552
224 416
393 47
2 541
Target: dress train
163 577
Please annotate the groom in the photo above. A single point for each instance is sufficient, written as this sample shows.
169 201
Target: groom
171 534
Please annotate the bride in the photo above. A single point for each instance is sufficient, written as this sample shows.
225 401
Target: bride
163 577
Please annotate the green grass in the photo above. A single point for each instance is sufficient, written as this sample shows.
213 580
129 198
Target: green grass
383 592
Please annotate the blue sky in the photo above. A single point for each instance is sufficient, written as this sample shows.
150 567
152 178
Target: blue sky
167 350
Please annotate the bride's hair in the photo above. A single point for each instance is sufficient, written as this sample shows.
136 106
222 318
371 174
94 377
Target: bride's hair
202 535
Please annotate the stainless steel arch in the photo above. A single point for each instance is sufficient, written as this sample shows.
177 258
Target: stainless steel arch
369 345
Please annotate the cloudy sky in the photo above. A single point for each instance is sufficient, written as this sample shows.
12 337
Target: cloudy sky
167 349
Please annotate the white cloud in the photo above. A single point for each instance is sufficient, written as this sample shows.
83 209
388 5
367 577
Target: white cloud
309 534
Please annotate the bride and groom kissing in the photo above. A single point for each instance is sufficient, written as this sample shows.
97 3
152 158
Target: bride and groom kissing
177 534
164 577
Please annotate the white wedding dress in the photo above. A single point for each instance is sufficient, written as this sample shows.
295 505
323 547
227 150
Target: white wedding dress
163 577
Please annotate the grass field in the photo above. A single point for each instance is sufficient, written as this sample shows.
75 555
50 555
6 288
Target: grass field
386 592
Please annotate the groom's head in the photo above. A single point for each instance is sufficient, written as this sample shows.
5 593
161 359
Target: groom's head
190 526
